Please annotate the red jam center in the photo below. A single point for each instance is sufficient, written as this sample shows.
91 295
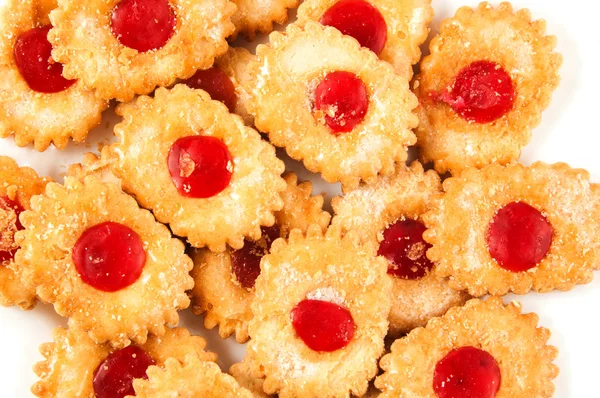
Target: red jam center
405 249
114 376
342 98
143 25
200 167
245 262
11 210
482 92
467 372
109 256
519 237
34 61
216 83
323 326
359 19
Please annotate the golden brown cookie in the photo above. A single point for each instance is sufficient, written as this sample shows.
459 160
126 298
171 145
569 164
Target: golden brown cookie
514 229
197 167
482 349
192 379
103 262
332 104
224 282
320 315
388 213
242 373
482 90
393 29
228 81
37 104
73 362
17 186
100 43
259 15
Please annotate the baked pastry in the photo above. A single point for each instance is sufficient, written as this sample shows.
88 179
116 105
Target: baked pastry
242 373
392 29
191 379
119 53
103 262
514 229
17 186
320 315
388 213
484 349
332 104
224 282
76 366
227 81
482 90
259 15
197 167
37 104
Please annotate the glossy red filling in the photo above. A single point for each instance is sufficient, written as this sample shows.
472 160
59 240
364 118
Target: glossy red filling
216 83
403 246
245 262
114 377
467 372
519 237
343 99
109 256
482 92
10 206
33 56
359 19
143 25
323 326
200 166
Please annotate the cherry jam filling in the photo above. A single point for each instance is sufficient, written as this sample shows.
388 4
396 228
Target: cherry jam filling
245 262
217 84
359 19
519 237
10 211
404 248
143 25
342 99
109 256
113 378
482 92
467 372
33 57
323 326
200 166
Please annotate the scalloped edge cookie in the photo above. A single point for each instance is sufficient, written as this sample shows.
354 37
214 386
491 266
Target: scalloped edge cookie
254 16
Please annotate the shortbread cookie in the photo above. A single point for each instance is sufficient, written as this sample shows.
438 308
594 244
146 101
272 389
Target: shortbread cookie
192 379
228 81
484 349
389 214
392 29
103 262
17 186
242 373
111 46
197 167
76 366
320 315
224 282
332 104
482 90
37 104
515 229
259 15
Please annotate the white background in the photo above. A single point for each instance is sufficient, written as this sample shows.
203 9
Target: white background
569 132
